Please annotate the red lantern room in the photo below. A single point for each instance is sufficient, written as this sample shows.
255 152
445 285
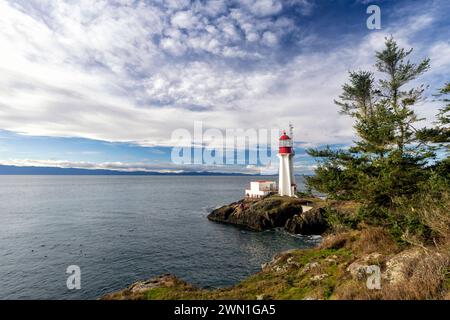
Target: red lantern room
285 144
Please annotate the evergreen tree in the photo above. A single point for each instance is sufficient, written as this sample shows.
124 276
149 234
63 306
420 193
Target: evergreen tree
398 72
439 135
387 159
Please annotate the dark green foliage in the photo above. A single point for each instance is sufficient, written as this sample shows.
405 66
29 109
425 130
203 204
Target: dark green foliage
440 133
425 214
331 177
391 159
338 220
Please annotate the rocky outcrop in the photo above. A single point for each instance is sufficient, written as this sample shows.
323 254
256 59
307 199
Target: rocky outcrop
138 290
309 222
272 212
359 268
282 262
397 266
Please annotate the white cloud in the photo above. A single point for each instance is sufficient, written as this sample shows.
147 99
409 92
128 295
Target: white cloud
131 166
135 72
305 6
269 38
440 55
201 84
263 7
184 20
173 46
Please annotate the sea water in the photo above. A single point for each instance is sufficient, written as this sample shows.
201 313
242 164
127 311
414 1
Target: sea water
121 229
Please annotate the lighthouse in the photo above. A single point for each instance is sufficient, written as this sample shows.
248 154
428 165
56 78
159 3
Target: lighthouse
286 182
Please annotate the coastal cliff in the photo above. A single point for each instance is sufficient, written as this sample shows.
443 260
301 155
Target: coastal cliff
337 269
296 215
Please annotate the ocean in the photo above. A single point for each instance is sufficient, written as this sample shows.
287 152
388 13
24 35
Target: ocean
121 229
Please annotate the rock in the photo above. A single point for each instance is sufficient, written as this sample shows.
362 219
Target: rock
281 262
396 266
137 289
290 261
272 263
309 266
332 259
272 212
267 213
307 223
142 286
319 277
280 269
357 270
374 256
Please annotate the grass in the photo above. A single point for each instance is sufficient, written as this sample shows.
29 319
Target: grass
158 293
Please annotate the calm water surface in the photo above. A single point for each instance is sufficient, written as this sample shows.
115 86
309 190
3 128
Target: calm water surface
120 229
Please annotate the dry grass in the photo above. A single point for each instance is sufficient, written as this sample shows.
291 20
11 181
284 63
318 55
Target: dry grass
348 208
436 214
425 276
374 239
426 279
432 209
338 240
352 290
368 240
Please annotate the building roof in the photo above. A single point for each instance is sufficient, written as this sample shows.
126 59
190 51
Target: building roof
285 136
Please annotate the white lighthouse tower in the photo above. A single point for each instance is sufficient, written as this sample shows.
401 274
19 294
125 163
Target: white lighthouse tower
286 183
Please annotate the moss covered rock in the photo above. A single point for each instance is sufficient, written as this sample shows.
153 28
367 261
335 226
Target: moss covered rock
272 212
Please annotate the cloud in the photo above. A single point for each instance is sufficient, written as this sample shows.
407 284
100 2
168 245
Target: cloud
184 20
440 55
130 166
134 71
269 38
263 7
201 84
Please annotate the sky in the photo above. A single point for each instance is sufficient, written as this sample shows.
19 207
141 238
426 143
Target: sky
105 84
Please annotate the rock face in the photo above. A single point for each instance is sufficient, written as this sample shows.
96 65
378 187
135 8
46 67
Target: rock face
138 289
359 268
272 212
281 262
309 222
397 266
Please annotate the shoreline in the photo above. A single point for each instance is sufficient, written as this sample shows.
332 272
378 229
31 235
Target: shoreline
337 268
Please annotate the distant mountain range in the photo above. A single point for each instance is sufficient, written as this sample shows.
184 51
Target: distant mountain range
16 170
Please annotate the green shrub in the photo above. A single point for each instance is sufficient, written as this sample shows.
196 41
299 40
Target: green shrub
338 220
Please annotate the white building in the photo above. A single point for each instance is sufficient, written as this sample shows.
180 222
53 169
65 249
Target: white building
286 183
261 188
